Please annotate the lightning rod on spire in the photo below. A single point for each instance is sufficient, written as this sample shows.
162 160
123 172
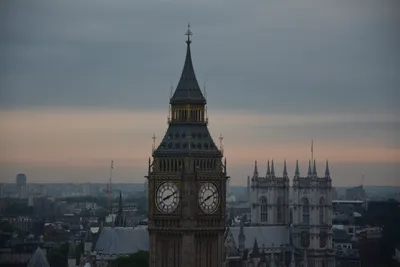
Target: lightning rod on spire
188 33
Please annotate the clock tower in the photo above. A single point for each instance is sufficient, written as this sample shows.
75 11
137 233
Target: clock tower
187 183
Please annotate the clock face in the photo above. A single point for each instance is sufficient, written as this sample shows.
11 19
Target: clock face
167 197
208 198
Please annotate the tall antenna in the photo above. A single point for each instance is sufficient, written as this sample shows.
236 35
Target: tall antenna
109 186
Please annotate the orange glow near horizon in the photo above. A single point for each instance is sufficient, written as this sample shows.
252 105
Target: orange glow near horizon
90 138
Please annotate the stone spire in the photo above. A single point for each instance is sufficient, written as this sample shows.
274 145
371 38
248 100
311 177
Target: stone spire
242 237
272 168
327 174
297 172
188 90
284 169
314 169
255 172
268 169
255 253
309 173
119 220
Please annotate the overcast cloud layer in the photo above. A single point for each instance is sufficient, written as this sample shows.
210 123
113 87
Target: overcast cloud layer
334 62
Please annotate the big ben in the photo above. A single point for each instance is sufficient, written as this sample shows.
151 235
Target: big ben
187 183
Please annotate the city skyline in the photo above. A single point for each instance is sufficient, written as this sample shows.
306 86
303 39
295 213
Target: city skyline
78 93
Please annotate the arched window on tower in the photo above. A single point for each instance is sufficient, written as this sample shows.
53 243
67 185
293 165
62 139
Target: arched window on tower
305 211
279 210
321 210
264 209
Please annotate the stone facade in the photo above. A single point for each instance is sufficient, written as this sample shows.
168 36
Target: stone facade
302 239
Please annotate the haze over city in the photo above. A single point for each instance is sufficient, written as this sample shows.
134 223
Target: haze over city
79 89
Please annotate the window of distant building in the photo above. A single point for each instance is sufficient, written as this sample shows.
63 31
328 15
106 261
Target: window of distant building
305 210
279 211
264 209
321 210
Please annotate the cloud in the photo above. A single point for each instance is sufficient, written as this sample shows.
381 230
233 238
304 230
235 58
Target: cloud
271 56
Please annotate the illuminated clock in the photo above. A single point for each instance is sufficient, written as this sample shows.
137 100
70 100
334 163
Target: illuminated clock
208 197
167 197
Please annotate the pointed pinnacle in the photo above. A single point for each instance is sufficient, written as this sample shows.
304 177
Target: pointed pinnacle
268 169
284 169
297 172
272 168
309 168
327 169
255 169
314 169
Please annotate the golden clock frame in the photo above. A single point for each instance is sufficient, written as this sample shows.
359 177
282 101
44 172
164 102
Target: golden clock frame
219 197
157 185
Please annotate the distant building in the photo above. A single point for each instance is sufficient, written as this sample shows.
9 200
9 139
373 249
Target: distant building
21 184
356 193
278 238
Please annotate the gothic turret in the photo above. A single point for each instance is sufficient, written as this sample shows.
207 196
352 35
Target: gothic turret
314 169
268 170
272 169
285 174
255 172
327 175
297 171
309 173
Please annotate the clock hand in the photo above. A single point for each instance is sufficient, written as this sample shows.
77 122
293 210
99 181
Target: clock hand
207 198
167 197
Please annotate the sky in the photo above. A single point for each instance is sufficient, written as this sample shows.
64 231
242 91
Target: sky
86 82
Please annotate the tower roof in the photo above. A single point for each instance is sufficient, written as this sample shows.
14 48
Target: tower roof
187 138
309 173
188 90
